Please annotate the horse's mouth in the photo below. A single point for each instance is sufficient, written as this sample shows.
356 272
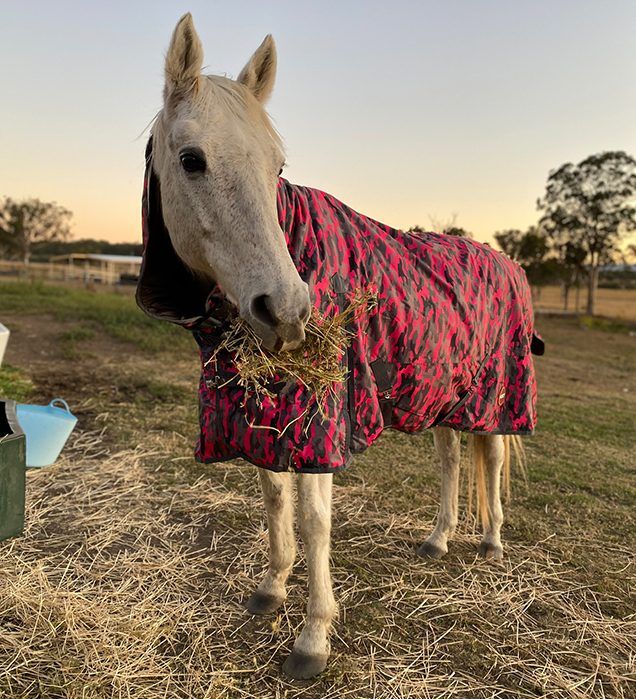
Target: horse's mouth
283 337
279 329
275 336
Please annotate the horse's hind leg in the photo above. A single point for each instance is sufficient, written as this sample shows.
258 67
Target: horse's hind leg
494 454
311 649
447 444
279 504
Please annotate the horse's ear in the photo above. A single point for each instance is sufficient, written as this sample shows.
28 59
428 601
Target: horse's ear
183 60
260 72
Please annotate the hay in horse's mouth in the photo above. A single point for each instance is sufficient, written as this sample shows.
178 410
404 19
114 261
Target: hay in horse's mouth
316 363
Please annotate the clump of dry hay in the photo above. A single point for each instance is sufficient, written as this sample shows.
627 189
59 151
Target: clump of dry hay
316 364
129 583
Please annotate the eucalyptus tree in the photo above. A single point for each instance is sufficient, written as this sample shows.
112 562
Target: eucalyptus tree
30 221
592 206
530 249
570 269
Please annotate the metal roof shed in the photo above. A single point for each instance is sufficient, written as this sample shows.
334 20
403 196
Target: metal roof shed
105 268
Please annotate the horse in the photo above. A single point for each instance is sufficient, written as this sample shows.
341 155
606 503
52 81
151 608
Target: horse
226 235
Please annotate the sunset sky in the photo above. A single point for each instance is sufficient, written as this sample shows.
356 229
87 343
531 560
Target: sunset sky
406 111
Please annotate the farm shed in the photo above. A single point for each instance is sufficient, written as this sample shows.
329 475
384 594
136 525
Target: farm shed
106 269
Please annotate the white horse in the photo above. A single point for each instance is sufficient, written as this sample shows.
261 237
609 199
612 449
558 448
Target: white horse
218 160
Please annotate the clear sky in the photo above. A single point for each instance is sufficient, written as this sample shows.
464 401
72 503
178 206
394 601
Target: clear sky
405 110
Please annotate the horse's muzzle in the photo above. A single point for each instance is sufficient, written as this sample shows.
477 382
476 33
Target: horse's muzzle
280 322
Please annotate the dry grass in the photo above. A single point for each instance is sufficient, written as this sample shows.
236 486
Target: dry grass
316 364
611 303
129 582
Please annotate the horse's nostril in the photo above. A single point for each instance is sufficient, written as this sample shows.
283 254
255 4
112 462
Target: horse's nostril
261 311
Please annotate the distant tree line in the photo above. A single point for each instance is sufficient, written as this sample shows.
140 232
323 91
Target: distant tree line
34 231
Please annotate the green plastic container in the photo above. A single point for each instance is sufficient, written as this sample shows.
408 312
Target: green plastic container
12 471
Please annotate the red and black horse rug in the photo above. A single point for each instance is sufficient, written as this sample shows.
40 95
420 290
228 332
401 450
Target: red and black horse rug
449 343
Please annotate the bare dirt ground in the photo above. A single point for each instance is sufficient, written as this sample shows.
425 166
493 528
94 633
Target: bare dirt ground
135 563
88 372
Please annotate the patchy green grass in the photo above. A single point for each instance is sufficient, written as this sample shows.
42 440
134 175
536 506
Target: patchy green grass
610 325
15 383
118 316
72 338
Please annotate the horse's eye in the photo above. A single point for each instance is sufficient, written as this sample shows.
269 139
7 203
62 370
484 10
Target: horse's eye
192 162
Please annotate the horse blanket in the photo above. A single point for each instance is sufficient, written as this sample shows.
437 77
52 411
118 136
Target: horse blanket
449 343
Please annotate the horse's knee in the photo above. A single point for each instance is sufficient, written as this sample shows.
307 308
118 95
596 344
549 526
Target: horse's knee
275 497
276 491
494 450
314 523
314 506
447 444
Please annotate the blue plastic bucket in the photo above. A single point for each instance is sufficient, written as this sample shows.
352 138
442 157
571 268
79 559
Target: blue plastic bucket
47 428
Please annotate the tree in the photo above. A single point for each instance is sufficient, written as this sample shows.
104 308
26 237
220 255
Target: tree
445 228
533 254
530 250
458 232
510 242
591 205
570 269
448 227
24 223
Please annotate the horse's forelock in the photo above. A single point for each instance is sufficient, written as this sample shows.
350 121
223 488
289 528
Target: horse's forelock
217 92
238 99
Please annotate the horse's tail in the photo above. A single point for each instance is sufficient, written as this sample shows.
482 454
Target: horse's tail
477 476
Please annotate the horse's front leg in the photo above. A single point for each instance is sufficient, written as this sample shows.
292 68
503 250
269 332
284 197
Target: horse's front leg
447 444
279 504
311 649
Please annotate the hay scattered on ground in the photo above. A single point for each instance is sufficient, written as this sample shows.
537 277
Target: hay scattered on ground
129 582
316 364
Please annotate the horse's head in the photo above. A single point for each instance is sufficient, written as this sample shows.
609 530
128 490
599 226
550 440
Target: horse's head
218 160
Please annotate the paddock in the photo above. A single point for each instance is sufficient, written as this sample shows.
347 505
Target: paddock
131 576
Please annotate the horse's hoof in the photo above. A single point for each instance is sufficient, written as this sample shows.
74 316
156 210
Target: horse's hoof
488 550
428 550
303 667
259 603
